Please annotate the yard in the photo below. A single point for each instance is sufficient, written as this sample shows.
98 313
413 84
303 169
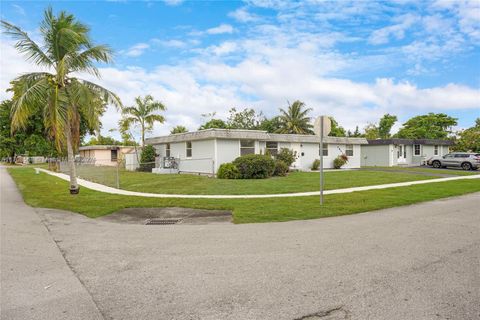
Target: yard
43 190
196 184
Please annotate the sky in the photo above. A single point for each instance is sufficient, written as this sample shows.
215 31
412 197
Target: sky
353 60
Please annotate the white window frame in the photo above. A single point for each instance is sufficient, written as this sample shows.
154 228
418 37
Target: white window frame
415 150
324 151
349 147
167 150
273 151
243 148
188 149
435 150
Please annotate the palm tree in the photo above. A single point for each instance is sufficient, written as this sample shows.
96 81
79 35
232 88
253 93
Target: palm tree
62 99
178 129
295 119
142 114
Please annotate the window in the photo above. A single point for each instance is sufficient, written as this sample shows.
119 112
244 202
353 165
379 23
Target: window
113 155
167 150
400 152
188 149
324 152
416 149
449 155
349 150
272 148
435 150
247 147
461 155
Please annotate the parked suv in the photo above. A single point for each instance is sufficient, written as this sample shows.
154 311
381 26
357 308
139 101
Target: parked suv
464 160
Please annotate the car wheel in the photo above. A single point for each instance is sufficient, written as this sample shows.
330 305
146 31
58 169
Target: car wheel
436 164
466 166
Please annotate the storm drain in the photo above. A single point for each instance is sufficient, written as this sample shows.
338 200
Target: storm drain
162 221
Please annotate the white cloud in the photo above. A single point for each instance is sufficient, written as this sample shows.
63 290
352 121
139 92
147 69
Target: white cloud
397 31
173 43
242 15
173 2
136 50
19 9
223 28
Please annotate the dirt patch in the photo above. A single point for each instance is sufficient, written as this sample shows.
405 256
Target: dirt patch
187 215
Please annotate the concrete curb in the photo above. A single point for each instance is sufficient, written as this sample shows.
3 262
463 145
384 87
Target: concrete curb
106 189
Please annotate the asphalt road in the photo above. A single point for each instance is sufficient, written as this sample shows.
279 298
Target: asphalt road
415 262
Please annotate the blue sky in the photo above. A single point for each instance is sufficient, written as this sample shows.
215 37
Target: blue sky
352 60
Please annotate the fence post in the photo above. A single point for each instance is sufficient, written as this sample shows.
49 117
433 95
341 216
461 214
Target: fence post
118 175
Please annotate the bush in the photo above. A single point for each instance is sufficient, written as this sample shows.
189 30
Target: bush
147 159
228 171
281 168
339 161
255 166
315 164
287 156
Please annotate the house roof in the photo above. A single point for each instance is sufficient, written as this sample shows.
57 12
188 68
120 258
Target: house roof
430 142
103 147
249 134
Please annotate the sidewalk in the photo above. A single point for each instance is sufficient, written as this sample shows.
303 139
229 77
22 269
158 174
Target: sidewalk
36 282
106 189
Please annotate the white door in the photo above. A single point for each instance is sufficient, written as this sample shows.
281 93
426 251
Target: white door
402 153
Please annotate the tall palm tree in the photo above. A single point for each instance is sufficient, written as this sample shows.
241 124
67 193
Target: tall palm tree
61 98
142 114
295 119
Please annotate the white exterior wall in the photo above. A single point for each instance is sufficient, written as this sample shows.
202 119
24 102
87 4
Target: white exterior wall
202 159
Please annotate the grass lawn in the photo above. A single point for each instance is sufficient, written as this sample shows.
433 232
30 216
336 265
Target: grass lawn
195 184
43 190
452 171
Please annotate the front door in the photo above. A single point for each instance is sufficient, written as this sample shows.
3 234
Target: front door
402 153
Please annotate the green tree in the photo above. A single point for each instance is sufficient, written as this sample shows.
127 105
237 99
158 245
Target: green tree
469 139
214 124
103 140
336 130
429 126
60 97
295 119
246 119
143 114
371 132
270 125
385 125
178 129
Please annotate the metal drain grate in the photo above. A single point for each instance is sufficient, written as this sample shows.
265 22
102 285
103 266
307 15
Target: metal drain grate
162 221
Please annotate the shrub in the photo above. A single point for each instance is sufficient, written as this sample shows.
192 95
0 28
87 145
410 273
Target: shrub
339 161
255 166
281 168
287 156
315 164
228 171
147 159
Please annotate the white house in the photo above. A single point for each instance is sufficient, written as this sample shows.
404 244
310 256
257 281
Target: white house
408 152
105 155
205 150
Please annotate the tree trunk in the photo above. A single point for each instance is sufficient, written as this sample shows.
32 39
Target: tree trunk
74 189
143 135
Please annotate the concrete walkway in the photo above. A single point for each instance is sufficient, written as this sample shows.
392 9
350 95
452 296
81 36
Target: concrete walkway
106 189
36 282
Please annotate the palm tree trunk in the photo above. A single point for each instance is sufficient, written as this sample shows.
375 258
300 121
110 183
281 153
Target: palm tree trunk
74 189
143 135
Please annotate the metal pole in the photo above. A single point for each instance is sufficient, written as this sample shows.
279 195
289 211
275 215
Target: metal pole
321 160
118 175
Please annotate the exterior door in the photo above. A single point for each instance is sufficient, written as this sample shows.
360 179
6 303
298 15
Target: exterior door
402 153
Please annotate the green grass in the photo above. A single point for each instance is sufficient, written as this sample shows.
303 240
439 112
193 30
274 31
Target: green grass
196 184
451 171
43 190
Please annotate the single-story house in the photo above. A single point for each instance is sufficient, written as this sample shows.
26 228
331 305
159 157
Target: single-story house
408 152
205 150
105 155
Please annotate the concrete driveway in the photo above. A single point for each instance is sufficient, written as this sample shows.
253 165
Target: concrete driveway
415 262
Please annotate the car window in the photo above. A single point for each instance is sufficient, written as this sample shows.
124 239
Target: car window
449 156
461 156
